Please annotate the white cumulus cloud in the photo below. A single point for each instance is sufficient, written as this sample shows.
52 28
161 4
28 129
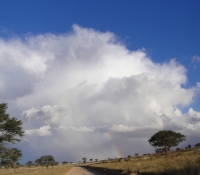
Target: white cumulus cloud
81 85
194 114
42 131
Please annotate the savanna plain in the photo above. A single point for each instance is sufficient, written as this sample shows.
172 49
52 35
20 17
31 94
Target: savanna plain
57 170
180 162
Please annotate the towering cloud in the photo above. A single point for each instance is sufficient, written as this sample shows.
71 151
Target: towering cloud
74 90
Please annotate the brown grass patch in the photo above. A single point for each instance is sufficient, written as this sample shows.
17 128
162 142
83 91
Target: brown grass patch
185 162
57 170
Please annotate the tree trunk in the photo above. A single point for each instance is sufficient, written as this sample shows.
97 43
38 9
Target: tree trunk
166 150
14 168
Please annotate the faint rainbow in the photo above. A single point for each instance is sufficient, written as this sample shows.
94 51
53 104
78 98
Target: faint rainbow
115 149
117 152
108 136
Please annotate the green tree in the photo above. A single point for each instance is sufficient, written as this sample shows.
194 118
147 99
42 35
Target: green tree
136 154
29 164
50 161
46 160
10 132
129 157
39 162
10 157
91 160
56 163
84 159
64 162
18 164
10 128
166 139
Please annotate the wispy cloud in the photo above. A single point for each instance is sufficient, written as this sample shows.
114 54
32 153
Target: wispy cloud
196 59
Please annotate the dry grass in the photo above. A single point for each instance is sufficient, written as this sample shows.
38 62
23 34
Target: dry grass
57 170
178 163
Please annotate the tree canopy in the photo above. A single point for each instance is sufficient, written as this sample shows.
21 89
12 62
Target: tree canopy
10 132
10 156
84 159
64 162
47 160
197 145
29 164
166 139
10 128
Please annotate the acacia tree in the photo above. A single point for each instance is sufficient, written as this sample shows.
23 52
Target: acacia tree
166 139
64 162
10 128
136 154
49 161
84 159
46 160
10 156
129 157
18 164
10 132
29 164
39 162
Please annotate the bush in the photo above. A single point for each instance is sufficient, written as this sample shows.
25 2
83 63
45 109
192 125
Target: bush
197 145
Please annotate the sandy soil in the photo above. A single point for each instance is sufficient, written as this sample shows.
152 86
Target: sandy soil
83 171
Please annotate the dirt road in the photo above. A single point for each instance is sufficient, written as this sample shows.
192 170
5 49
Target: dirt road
83 171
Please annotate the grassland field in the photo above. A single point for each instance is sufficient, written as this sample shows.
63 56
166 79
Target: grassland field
183 162
57 170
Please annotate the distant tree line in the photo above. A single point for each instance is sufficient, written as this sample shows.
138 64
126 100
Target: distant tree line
43 161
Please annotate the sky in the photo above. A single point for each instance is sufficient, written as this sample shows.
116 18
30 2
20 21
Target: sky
97 79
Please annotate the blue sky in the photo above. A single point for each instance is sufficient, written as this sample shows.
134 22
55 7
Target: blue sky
38 34
166 29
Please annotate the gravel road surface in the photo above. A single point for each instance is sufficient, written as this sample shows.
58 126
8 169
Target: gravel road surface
83 171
